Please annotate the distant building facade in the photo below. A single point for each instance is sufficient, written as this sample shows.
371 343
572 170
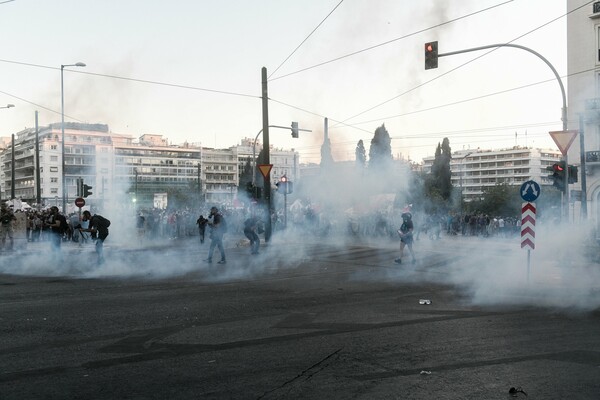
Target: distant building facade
474 170
123 170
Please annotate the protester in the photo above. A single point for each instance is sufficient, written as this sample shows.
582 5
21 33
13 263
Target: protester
406 236
250 227
98 225
6 225
217 223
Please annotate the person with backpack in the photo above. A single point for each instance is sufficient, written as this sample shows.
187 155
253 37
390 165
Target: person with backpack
58 226
218 226
97 225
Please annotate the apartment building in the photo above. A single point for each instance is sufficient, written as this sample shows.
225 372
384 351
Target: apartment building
123 171
583 82
474 170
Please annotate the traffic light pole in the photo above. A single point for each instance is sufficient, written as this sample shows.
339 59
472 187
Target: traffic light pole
564 103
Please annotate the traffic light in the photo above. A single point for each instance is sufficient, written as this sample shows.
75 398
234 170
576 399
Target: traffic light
282 185
86 190
79 187
431 55
294 129
572 174
558 175
254 192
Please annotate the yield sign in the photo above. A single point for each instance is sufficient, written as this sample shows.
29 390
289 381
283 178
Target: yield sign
265 169
563 139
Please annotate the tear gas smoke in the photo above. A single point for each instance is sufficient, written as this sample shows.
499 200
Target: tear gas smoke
338 211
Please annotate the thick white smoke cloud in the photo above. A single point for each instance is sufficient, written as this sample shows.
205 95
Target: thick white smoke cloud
487 271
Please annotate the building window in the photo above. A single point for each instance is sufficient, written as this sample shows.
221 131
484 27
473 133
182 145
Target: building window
53 158
53 190
53 169
54 180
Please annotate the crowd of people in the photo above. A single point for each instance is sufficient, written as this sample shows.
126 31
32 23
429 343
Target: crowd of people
214 222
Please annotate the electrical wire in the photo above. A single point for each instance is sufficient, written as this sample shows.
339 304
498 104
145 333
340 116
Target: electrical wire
391 41
467 62
305 39
133 79
39 105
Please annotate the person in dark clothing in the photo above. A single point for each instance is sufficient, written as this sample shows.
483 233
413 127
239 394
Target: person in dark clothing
406 237
6 225
57 223
217 225
202 222
98 225
250 226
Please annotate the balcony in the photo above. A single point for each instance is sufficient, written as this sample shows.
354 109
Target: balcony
592 157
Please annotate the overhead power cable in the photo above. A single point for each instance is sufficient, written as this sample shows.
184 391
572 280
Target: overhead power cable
134 79
305 39
39 105
466 63
391 41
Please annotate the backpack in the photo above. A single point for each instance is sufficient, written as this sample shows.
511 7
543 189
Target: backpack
102 222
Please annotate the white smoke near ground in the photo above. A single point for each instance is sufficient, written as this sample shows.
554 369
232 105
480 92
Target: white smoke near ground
334 215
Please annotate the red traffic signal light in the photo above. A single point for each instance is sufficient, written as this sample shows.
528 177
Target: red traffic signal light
558 168
431 55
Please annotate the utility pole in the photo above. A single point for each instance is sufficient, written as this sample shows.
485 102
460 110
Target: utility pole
38 184
12 172
582 168
265 132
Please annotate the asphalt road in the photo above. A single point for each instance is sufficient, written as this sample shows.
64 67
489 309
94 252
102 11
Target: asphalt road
310 321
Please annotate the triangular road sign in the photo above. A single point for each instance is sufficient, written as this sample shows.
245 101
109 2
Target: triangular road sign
265 169
564 139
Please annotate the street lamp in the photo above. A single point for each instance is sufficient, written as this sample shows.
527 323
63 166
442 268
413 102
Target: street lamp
8 106
62 128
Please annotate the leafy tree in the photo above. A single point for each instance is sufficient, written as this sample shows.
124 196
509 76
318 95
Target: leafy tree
246 175
499 200
361 154
380 152
438 184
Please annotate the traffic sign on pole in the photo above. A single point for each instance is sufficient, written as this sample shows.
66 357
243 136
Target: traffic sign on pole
564 139
530 191
528 226
80 202
265 169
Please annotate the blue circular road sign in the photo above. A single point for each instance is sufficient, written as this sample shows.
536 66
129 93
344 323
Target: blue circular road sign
530 191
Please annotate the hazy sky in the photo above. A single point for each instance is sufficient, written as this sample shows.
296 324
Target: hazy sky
182 47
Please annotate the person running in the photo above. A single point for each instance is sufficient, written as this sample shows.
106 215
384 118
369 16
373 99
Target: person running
97 225
217 225
202 222
406 237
